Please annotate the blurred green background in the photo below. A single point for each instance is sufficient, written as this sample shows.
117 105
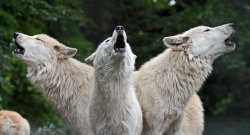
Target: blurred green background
83 24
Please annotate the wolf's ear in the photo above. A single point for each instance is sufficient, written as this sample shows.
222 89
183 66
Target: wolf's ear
90 59
65 52
176 42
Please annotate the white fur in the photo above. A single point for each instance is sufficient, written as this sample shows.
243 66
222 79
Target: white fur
12 123
114 109
64 81
193 122
166 84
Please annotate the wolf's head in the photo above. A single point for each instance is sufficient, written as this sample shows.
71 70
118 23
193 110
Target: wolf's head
40 49
113 51
204 41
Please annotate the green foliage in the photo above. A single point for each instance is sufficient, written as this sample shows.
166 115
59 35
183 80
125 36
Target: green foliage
62 19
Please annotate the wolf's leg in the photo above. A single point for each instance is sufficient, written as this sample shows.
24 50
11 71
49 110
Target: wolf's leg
175 128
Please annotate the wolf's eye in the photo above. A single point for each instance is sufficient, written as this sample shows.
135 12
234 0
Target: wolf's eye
206 30
39 39
106 41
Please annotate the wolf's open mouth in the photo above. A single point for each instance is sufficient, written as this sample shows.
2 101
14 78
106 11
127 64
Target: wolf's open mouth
229 43
120 44
20 49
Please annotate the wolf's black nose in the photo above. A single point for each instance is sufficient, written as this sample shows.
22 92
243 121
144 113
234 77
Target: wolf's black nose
231 25
119 29
15 34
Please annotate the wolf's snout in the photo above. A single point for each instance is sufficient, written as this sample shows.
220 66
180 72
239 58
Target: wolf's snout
119 45
15 34
119 29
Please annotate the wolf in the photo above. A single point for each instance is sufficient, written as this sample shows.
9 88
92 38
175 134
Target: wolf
166 84
64 81
12 123
113 107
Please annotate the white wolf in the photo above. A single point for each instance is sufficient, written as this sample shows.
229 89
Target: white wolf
114 109
166 84
12 123
63 80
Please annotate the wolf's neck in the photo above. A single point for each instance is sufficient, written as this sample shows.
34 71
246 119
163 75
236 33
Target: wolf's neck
62 82
114 82
183 75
